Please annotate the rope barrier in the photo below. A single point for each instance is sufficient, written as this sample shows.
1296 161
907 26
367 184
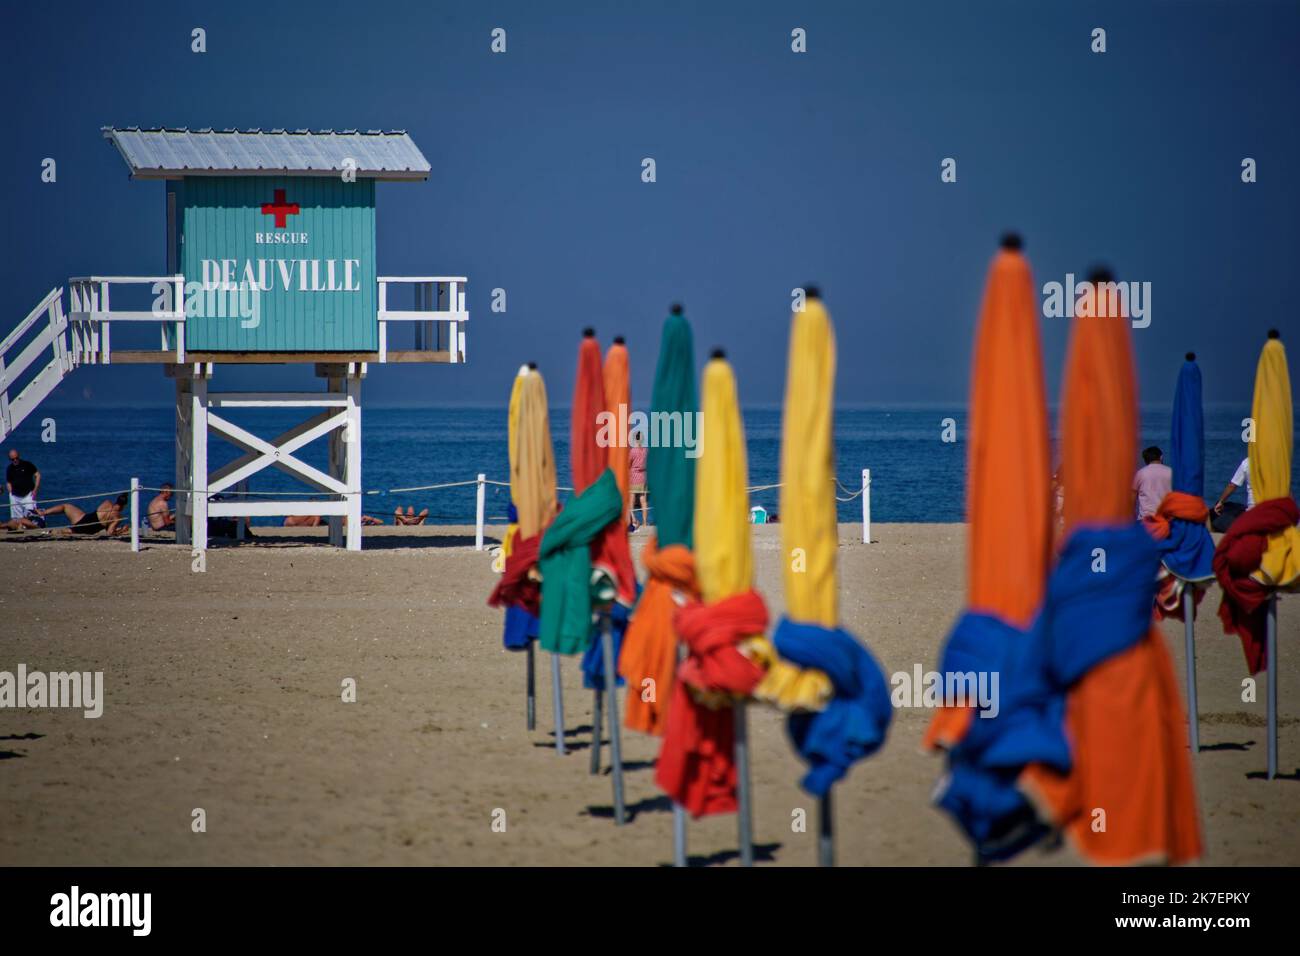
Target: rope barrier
55 501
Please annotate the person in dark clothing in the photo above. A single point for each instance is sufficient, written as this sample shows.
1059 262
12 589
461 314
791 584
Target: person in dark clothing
23 481
107 517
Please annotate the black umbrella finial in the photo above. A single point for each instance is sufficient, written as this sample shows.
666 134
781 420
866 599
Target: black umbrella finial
1012 242
812 291
718 354
675 309
1274 334
532 366
1190 356
589 333
618 340
1101 273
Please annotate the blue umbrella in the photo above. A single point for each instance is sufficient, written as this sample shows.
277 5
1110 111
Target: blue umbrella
1187 550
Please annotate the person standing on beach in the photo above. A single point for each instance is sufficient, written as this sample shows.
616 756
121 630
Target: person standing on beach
636 457
1152 482
22 481
1225 511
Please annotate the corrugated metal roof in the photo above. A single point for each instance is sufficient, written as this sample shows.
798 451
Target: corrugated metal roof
174 153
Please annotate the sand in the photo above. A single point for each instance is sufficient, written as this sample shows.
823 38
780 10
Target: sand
223 692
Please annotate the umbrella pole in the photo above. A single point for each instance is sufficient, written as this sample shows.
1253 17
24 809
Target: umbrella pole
615 738
1271 647
679 835
825 832
1189 626
557 703
532 688
744 812
598 705
679 814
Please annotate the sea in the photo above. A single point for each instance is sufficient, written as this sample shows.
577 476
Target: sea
916 475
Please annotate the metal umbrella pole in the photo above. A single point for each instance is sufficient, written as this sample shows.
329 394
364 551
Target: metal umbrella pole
744 812
532 687
825 832
557 703
597 707
615 737
1189 626
679 814
1271 650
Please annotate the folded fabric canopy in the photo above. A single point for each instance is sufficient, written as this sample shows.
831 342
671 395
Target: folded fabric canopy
589 458
696 766
1090 737
1009 535
855 714
1260 553
532 494
1186 548
649 657
1127 795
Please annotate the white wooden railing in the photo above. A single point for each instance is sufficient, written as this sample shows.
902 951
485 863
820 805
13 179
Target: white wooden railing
429 294
91 317
50 312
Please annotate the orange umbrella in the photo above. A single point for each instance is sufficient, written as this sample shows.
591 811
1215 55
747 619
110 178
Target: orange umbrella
618 402
1127 795
1009 534
588 458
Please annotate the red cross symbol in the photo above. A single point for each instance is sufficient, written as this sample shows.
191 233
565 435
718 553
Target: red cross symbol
280 209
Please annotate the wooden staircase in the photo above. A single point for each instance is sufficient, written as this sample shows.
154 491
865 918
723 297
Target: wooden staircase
49 345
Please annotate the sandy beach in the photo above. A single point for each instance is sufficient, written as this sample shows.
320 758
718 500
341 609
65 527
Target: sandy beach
223 692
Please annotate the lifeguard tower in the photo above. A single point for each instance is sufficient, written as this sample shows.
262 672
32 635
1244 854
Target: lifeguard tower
270 260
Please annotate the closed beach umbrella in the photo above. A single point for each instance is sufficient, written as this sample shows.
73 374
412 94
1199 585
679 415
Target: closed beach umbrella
1186 548
618 402
1179 527
1261 551
649 657
1009 535
614 552
572 544
852 723
696 766
532 466
1101 662
1260 554
532 493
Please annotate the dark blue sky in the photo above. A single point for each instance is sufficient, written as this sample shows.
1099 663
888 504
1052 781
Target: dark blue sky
773 169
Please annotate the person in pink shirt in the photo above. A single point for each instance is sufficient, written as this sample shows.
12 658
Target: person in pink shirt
1152 482
636 458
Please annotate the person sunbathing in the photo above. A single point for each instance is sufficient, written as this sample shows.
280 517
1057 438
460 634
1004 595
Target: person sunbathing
410 517
107 517
314 521
158 514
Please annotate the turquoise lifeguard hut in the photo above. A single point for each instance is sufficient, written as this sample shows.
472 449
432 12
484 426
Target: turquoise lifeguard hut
271 259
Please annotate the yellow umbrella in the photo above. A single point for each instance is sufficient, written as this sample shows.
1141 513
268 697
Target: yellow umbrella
532 463
704 762
1270 461
809 535
724 560
838 674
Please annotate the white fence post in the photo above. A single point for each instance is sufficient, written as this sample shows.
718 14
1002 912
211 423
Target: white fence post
135 514
478 532
866 505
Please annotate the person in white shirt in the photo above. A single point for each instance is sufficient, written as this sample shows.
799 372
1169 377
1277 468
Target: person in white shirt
1228 510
